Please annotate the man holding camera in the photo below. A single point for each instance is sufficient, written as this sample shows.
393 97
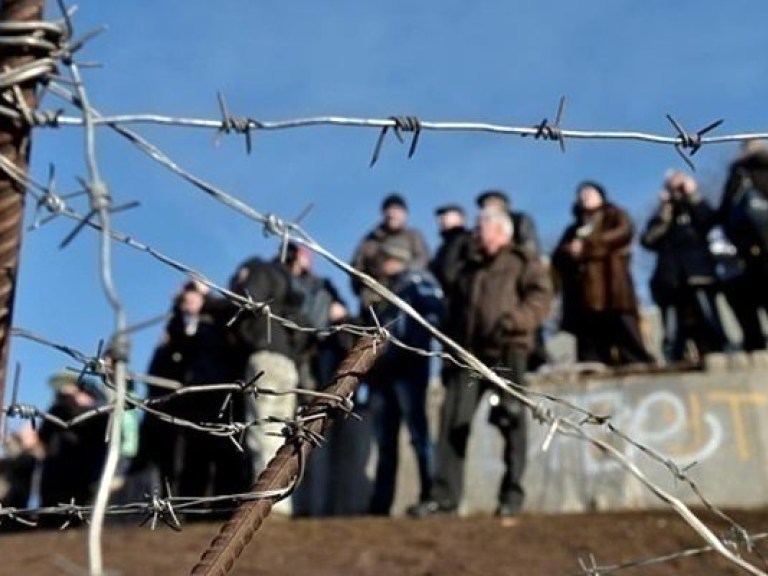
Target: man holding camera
684 283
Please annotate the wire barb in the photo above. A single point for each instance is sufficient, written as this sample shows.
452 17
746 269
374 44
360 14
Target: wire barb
690 142
548 131
400 125
231 124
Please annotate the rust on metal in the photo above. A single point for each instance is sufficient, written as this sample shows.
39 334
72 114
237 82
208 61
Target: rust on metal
14 146
235 535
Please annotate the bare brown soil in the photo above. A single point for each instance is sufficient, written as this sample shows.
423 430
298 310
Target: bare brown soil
478 545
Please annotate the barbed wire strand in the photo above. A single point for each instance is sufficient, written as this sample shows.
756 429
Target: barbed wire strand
590 568
100 207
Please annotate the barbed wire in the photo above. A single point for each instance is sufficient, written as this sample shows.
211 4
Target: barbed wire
58 47
590 567
686 143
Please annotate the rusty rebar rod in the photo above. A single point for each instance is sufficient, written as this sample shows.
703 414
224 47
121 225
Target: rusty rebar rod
14 146
235 535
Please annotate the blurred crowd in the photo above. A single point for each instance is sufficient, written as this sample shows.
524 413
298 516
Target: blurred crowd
488 286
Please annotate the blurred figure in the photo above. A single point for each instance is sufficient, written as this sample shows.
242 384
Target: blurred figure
21 453
524 237
272 349
503 296
744 217
196 349
400 378
593 260
455 240
334 478
335 481
394 212
684 282
73 457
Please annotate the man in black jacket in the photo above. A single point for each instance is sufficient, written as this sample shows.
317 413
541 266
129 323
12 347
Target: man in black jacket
684 283
271 348
744 217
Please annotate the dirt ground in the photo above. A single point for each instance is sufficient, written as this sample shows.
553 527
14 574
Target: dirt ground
477 545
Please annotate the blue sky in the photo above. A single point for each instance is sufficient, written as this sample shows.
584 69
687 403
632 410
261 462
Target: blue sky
622 65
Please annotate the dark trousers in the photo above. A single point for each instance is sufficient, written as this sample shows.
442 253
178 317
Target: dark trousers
612 338
462 395
692 315
334 481
746 294
213 466
403 397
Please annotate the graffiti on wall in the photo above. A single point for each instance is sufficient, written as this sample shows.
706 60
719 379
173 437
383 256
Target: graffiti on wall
682 426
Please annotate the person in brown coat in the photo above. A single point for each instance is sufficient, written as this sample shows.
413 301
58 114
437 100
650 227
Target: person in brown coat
367 257
593 260
502 296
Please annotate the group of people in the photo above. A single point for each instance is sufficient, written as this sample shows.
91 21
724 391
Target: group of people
489 287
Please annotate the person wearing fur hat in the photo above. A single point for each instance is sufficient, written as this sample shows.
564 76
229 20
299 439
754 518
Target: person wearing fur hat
593 260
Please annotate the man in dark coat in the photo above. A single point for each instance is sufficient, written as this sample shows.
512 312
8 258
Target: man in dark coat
272 349
748 292
593 260
366 258
400 378
455 239
196 348
74 457
503 296
684 283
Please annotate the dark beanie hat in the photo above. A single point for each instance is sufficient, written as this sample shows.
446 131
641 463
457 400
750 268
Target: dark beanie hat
491 195
394 199
445 208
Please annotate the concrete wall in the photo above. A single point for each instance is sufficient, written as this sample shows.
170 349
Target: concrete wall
717 419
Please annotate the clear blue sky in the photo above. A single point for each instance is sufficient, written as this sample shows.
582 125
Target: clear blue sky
622 65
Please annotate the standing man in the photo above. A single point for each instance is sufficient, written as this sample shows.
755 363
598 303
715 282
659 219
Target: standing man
744 216
526 238
270 348
503 295
400 378
394 212
456 238
684 283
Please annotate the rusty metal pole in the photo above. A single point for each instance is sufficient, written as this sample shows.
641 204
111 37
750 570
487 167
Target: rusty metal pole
15 140
234 536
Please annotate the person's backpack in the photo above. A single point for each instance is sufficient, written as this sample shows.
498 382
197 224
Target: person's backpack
747 219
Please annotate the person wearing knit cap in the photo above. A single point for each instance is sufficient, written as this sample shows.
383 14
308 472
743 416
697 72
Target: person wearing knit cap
400 378
593 260
366 258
